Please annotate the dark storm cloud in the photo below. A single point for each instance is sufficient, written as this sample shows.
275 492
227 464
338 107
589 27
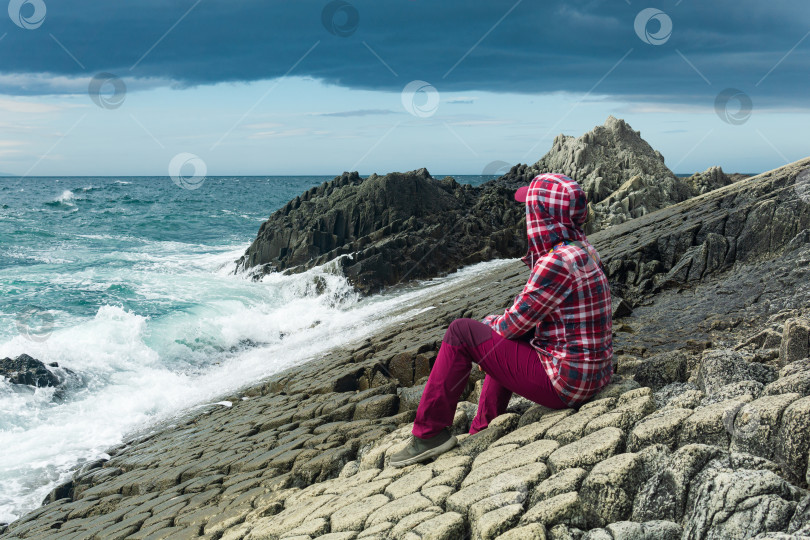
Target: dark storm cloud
455 46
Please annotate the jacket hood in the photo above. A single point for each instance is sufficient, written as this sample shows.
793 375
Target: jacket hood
556 210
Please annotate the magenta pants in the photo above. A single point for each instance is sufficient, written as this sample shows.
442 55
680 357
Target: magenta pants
510 366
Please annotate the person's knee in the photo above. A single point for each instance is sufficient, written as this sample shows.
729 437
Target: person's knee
466 331
454 333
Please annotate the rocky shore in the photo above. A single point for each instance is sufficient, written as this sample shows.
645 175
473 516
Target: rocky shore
703 434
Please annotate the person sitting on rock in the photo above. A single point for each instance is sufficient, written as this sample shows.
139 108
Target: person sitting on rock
553 345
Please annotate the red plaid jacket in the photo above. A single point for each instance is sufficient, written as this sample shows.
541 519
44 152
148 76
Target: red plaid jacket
566 300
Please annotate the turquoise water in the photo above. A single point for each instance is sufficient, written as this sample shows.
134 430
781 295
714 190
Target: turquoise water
128 283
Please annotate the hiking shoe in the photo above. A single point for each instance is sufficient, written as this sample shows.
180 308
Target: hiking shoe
423 449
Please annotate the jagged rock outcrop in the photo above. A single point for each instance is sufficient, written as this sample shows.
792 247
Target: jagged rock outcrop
392 228
623 176
753 219
710 179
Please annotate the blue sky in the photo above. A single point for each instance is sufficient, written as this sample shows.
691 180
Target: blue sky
271 87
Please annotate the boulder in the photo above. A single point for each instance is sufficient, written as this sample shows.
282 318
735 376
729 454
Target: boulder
678 395
664 494
793 441
27 371
564 509
376 407
719 368
587 451
733 505
608 491
495 515
662 427
662 369
756 425
565 481
711 424
520 480
795 341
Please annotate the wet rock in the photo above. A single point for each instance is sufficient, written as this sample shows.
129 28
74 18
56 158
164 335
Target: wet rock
387 224
409 397
28 371
607 492
322 466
